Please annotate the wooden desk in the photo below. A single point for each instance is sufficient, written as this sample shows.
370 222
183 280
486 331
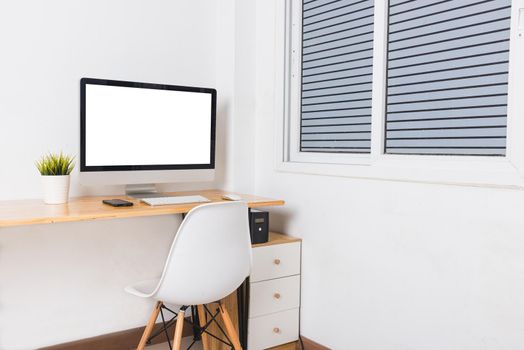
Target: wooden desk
34 211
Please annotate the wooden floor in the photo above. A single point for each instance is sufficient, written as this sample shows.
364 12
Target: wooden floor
185 343
198 346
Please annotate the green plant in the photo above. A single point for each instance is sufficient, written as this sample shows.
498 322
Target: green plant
55 164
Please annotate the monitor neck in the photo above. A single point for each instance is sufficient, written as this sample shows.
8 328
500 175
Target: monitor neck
141 190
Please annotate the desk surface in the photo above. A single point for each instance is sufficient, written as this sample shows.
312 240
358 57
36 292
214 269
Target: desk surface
34 211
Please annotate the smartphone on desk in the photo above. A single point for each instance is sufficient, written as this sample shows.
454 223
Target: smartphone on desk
117 202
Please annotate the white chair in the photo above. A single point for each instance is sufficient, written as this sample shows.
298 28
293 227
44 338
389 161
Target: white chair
218 233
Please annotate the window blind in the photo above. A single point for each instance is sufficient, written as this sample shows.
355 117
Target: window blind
337 60
447 77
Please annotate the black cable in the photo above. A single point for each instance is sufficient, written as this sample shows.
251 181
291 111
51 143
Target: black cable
301 342
165 329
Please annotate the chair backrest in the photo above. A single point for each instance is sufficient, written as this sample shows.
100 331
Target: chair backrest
210 256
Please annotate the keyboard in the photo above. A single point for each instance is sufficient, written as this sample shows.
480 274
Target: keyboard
174 200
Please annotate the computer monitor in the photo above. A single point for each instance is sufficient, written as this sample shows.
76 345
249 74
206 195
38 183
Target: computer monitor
146 133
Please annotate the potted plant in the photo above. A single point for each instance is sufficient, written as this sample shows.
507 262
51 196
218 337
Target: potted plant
55 170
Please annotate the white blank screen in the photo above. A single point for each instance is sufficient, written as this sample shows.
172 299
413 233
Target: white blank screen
135 126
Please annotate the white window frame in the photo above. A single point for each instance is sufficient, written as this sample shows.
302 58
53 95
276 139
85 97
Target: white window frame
462 170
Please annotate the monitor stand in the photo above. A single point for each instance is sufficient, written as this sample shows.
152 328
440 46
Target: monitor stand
143 191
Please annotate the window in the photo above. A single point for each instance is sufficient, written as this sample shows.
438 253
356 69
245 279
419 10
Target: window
337 69
447 77
442 67
402 89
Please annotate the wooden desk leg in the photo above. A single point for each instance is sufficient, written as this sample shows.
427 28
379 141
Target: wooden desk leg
230 328
242 311
150 325
203 320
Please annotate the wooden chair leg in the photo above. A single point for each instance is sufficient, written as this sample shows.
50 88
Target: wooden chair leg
150 325
177 340
230 328
202 320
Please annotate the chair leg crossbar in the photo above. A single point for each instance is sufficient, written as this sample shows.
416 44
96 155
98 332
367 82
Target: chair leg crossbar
196 327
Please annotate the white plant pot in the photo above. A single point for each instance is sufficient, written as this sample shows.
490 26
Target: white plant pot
56 189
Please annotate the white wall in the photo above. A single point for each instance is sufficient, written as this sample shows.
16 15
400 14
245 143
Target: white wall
236 74
392 265
70 277
64 282
48 46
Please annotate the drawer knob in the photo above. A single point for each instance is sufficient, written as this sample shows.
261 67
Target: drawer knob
276 261
276 295
276 330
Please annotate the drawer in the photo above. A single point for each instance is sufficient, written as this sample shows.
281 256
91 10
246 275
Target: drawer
272 330
274 261
275 295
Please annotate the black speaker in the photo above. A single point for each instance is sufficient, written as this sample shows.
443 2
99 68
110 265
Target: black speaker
259 226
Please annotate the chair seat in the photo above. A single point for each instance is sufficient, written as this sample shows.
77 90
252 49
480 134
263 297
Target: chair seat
143 289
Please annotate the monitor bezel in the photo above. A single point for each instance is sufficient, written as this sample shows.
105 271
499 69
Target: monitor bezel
140 85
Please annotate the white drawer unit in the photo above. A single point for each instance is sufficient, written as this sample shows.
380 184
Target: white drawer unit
275 261
272 296
272 330
274 293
